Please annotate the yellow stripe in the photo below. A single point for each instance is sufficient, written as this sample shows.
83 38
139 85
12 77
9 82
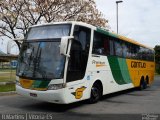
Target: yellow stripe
132 41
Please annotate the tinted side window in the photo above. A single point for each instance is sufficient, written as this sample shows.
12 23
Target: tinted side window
118 48
124 49
100 44
111 43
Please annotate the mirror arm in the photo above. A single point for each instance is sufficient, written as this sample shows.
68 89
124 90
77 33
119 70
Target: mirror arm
63 46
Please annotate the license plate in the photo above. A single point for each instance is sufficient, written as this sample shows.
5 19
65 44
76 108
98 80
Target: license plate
33 94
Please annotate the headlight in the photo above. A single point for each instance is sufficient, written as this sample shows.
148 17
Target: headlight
56 86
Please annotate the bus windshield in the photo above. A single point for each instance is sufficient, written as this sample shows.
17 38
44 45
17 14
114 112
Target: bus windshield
40 57
41 60
49 31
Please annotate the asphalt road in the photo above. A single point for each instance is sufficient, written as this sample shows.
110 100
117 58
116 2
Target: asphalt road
127 105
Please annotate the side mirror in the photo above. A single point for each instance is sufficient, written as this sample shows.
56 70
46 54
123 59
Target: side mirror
64 44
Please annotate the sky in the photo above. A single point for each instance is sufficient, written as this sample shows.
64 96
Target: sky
138 20
11 45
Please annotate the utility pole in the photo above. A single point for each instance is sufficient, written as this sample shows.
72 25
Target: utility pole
117 13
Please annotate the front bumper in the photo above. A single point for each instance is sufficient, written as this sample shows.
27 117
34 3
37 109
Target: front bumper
53 96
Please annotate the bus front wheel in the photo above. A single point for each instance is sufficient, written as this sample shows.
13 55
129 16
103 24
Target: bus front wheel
96 93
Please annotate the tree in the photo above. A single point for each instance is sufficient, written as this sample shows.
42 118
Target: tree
157 58
9 12
17 15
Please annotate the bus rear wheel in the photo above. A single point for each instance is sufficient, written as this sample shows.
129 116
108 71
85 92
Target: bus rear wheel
143 85
96 93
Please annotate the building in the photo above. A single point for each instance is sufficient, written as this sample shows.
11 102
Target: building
7 60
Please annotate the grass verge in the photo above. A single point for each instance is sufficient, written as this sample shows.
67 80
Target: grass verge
6 76
7 88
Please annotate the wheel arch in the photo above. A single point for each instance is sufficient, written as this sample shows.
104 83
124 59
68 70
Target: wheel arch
96 91
99 82
143 83
141 80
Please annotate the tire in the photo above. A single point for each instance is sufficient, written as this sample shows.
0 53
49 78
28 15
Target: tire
96 93
143 85
147 80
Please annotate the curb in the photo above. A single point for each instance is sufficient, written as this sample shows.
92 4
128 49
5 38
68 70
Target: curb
8 93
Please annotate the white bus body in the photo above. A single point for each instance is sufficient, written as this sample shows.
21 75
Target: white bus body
85 75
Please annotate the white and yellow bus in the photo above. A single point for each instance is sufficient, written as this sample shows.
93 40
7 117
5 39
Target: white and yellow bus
66 62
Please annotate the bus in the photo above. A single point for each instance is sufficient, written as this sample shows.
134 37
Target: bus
66 62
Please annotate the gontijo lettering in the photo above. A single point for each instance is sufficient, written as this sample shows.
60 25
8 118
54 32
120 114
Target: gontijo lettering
138 64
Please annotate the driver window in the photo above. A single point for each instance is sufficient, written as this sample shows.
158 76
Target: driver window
78 54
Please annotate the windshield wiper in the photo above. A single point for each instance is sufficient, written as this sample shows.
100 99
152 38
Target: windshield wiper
36 64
